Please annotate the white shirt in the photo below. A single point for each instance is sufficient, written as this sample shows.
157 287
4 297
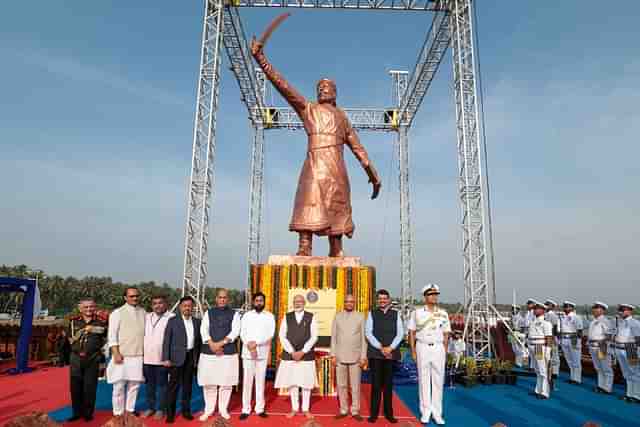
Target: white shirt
552 318
286 345
540 328
258 327
571 323
599 328
188 326
628 330
430 326
528 319
233 334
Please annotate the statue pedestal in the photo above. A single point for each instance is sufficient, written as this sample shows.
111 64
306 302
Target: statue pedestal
316 261
324 282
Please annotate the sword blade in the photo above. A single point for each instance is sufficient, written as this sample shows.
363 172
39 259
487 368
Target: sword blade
271 28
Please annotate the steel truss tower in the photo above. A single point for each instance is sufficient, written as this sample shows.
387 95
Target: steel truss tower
452 24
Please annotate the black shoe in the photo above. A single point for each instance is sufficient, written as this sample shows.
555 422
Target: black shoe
244 416
391 419
358 418
88 418
372 419
72 418
262 415
170 419
187 416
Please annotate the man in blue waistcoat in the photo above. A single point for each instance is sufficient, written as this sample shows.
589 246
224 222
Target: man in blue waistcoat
218 367
384 333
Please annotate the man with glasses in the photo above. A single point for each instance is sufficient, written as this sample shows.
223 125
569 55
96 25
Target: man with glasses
126 342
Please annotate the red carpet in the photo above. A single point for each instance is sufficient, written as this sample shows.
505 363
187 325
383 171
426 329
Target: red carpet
47 390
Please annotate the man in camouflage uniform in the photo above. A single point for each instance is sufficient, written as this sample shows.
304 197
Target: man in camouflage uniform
87 335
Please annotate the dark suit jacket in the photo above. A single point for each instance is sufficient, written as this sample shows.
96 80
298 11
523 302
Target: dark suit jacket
174 345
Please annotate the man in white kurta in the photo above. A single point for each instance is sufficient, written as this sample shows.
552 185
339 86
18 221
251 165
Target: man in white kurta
256 332
126 342
297 370
218 366
600 332
627 342
429 330
571 327
540 342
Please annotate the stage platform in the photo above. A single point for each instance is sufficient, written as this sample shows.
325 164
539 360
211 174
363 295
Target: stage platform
47 390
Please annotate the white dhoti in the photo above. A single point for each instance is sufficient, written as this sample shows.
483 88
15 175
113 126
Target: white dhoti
630 372
603 367
126 378
430 364
253 369
294 375
217 373
573 356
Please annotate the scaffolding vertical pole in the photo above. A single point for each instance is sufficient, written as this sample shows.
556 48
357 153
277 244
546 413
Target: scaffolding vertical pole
201 183
406 244
470 182
255 203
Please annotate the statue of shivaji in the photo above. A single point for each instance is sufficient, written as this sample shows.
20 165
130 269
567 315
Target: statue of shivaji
323 198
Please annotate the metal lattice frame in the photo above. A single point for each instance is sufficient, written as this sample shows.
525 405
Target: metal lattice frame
201 183
451 24
470 182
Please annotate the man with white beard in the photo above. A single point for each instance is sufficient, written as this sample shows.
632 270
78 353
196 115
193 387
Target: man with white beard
256 333
298 336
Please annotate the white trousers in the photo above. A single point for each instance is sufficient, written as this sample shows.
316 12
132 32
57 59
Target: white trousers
253 370
555 358
517 352
542 372
603 368
573 356
118 396
211 395
430 364
631 373
294 393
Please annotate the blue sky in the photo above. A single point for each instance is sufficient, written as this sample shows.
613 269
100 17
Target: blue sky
96 127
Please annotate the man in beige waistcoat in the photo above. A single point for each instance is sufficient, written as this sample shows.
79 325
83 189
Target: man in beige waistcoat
349 355
126 342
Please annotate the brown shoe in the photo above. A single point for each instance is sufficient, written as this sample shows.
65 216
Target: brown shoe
358 417
340 416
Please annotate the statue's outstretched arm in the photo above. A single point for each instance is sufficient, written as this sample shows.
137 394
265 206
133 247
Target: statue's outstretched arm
293 97
353 141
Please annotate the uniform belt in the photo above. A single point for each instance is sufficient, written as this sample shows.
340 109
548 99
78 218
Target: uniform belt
429 343
568 334
537 340
597 341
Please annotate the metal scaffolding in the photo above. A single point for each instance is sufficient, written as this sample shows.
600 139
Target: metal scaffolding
451 24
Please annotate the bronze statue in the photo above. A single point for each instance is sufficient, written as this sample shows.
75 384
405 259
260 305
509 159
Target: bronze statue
323 198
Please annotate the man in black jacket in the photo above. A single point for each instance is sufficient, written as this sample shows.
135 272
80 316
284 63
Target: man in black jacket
180 350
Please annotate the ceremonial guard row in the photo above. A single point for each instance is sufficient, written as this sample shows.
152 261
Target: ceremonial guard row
163 350
541 333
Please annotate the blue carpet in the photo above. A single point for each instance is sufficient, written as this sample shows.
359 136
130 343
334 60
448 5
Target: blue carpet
103 401
571 405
